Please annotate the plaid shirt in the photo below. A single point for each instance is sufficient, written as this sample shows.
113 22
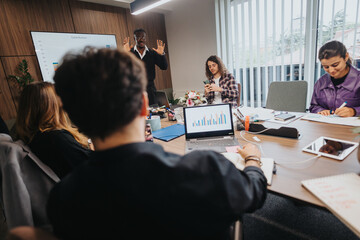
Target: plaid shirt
230 90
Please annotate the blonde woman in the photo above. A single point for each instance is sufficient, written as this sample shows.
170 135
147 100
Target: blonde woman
43 125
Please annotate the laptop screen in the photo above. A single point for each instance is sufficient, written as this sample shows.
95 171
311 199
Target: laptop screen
208 121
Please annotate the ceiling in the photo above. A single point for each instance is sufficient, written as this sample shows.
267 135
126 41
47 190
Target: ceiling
167 7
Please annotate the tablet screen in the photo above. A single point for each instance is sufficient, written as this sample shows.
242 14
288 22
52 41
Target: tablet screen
331 147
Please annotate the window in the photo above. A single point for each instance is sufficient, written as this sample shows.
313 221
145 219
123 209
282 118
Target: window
261 41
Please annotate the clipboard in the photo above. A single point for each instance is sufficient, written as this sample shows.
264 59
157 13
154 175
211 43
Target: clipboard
169 133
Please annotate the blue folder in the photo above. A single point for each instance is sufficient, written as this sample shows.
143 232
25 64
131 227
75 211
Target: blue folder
169 133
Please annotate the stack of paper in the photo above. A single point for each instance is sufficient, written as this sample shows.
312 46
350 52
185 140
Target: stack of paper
259 113
333 119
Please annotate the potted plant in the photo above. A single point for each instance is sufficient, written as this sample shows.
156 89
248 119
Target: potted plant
23 76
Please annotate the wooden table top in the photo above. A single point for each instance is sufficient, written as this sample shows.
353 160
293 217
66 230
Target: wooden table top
287 180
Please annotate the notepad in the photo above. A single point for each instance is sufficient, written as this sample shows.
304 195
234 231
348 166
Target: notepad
238 161
341 195
348 121
169 133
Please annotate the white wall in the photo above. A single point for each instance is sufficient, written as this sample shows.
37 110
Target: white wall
191 36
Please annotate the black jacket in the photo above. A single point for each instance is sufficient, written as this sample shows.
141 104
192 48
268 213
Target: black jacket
59 150
151 59
140 191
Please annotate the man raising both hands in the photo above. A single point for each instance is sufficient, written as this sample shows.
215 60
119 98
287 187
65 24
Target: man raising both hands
150 57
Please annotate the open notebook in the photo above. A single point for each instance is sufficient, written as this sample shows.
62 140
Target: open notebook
341 195
238 161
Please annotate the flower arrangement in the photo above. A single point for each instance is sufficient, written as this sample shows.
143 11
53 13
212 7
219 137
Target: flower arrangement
192 98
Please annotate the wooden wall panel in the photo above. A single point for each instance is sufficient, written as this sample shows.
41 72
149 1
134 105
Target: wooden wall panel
7 107
19 17
96 18
10 64
154 25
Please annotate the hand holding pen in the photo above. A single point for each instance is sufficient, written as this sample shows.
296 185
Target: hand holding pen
343 111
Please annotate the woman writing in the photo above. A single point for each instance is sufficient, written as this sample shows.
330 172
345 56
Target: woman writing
337 91
44 125
222 87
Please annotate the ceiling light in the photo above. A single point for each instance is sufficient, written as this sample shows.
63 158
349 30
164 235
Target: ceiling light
140 6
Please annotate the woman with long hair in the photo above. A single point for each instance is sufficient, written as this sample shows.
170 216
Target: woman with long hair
222 87
337 91
43 125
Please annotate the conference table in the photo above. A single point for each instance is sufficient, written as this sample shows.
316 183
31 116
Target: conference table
287 180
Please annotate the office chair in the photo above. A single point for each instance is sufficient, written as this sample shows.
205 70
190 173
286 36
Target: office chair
239 94
287 96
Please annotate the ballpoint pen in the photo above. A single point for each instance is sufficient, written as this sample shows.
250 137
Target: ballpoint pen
341 106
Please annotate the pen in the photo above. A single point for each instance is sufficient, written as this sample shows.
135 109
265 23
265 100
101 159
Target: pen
343 105
150 115
240 113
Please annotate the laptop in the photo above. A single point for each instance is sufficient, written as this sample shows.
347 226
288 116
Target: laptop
162 99
209 127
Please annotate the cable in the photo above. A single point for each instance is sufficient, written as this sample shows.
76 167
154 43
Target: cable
255 143
299 164
295 165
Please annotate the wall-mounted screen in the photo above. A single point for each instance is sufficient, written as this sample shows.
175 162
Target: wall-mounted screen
50 47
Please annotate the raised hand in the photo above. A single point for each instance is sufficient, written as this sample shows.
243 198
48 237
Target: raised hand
126 44
160 47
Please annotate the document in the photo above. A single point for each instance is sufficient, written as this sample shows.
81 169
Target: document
238 161
333 119
341 195
258 113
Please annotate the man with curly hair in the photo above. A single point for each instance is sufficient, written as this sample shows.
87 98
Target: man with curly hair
132 189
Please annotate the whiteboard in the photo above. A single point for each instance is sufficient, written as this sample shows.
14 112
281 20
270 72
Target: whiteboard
50 47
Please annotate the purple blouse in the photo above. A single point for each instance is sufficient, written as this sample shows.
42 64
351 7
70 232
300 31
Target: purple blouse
326 96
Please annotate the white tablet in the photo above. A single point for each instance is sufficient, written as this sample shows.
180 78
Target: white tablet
331 147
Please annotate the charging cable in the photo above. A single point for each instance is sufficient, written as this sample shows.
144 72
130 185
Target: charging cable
295 165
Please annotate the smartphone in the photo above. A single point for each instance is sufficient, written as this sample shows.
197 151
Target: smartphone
206 82
148 133
284 116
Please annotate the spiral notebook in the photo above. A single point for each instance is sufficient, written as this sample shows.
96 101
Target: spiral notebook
341 195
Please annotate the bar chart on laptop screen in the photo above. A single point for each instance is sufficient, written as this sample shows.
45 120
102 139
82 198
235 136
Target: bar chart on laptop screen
214 118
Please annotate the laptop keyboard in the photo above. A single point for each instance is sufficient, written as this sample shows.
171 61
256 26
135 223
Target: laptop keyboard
215 143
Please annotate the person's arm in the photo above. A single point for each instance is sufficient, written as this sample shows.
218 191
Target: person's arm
357 111
230 192
229 89
315 107
126 44
159 55
70 150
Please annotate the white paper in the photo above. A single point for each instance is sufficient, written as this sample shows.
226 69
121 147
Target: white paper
333 119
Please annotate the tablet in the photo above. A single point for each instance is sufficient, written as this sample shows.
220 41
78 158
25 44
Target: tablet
331 147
